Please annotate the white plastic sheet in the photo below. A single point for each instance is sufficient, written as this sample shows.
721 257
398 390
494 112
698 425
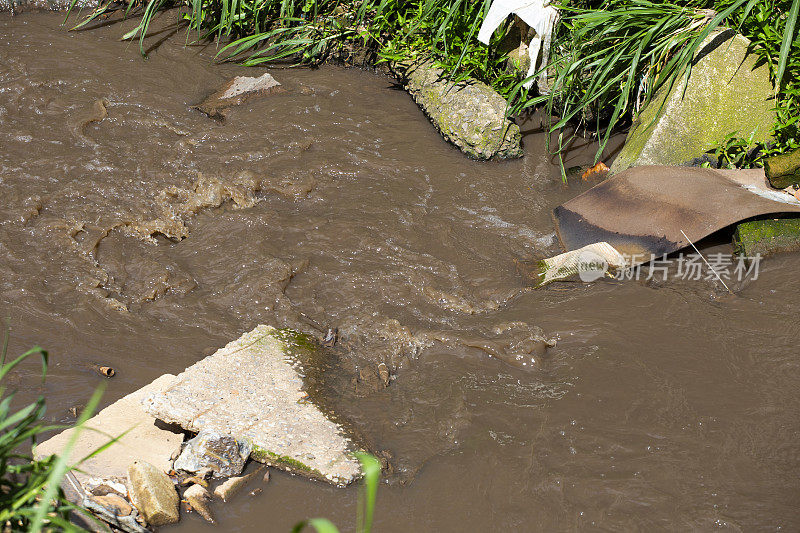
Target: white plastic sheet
537 14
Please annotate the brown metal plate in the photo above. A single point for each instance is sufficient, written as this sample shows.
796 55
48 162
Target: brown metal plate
642 210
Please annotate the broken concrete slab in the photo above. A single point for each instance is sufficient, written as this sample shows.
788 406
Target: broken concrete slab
144 440
655 210
153 493
767 237
253 390
729 91
236 92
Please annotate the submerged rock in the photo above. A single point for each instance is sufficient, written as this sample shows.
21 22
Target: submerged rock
469 114
153 494
223 454
18 6
253 390
727 92
236 92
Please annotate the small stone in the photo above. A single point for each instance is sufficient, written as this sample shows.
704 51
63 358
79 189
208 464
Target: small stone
114 503
200 500
236 92
383 373
194 480
209 449
266 477
230 487
153 493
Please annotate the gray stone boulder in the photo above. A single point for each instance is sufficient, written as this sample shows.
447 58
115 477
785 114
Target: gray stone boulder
726 93
469 114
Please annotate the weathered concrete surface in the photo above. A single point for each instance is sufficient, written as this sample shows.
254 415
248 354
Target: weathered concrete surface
726 93
143 441
767 237
236 92
253 390
470 114
153 493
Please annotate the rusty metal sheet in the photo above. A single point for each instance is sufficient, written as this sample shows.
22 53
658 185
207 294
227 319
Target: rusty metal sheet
643 210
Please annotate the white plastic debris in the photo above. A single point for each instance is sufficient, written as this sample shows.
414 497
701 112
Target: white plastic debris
589 263
540 16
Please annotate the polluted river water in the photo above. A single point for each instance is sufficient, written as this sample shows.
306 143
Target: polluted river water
139 234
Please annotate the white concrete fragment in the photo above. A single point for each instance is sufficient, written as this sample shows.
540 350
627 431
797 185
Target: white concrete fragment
247 84
143 441
537 14
251 390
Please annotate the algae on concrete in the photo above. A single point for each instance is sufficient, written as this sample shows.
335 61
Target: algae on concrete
727 92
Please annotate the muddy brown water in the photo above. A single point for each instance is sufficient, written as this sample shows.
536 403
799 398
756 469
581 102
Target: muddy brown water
150 238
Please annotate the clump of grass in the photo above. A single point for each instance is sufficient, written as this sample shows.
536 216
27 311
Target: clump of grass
30 495
371 469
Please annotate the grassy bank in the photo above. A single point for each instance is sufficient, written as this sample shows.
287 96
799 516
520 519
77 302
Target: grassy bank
608 58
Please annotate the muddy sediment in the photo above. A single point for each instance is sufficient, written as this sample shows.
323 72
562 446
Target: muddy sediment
145 235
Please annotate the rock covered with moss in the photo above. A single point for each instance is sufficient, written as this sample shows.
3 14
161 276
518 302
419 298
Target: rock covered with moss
728 91
469 114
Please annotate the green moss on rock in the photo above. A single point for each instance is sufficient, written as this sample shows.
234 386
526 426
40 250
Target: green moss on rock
469 114
727 92
767 237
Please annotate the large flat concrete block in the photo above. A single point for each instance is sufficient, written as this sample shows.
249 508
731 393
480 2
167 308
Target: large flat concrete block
252 389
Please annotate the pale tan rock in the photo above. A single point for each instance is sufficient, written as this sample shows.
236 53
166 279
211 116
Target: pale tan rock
200 500
230 487
153 493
